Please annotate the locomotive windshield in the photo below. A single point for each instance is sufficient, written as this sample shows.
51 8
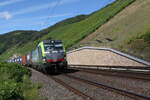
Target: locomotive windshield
53 47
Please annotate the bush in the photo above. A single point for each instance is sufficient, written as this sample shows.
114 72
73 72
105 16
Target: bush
146 37
14 71
14 79
10 90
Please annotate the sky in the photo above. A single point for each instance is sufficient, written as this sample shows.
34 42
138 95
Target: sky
40 14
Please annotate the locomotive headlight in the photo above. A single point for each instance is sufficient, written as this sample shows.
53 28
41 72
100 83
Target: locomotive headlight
44 60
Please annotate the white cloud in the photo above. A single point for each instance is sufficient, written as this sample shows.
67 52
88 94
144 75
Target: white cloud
5 15
8 2
35 8
42 7
26 10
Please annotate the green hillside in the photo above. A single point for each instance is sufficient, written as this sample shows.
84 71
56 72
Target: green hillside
71 30
11 39
128 31
58 25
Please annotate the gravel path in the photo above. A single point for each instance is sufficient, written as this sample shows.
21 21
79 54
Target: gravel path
141 87
50 89
92 91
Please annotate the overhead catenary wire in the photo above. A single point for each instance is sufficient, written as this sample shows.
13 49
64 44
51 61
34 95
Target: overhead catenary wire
51 12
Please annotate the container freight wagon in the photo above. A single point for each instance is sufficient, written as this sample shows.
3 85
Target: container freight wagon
17 60
49 56
24 60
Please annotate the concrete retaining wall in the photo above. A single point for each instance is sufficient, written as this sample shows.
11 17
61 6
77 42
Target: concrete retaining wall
103 57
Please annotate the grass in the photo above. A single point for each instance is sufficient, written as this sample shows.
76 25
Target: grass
15 83
74 32
140 45
129 30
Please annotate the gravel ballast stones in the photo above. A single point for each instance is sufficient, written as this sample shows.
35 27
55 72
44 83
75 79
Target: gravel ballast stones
92 91
51 90
132 85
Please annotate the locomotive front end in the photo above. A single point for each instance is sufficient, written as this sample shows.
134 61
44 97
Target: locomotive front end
55 56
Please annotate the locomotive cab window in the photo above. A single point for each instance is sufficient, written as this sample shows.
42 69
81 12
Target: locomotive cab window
58 46
48 47
51 47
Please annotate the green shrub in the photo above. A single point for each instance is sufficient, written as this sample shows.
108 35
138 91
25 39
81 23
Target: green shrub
10 90
146 37
14 71
15 83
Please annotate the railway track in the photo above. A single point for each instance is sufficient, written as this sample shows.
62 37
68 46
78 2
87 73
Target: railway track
70 88
103 86
133 75
85 96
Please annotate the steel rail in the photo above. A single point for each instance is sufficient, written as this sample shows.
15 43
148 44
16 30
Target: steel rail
118 71
119 91
70 88
117 74
110 67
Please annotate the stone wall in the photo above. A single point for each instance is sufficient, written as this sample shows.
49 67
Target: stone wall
100 57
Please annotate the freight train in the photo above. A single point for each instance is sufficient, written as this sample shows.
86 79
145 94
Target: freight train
48 56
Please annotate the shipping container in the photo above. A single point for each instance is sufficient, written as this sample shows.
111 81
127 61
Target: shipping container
24 60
